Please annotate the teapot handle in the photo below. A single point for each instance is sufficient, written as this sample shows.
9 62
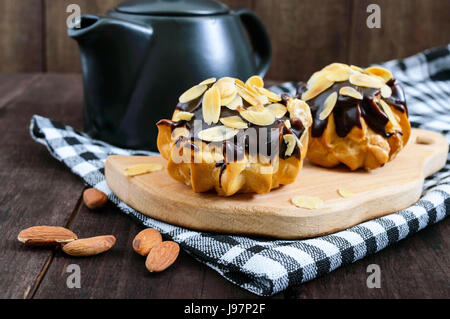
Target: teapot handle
259 38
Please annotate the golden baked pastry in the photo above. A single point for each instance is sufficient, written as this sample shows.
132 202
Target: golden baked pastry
360 116
235 137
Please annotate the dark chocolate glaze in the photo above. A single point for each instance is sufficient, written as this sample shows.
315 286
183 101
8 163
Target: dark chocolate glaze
348 111
235 148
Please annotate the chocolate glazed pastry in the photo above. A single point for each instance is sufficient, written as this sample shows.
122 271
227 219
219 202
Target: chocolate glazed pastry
235 137
360 116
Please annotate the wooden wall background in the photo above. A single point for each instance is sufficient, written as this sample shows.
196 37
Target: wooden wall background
306 34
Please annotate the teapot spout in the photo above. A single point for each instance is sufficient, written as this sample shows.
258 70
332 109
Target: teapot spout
112 53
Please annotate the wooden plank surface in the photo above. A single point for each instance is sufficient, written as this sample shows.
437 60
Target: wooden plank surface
121 273
407 27
305 35
37 188
21 45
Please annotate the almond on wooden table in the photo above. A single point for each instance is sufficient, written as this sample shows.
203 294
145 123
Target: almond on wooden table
93 198
146 240
89 246
46 236
162 256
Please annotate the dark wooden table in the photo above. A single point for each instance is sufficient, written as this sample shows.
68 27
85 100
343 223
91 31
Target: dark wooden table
36 189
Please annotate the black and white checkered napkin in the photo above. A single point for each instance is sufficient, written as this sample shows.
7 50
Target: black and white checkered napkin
265 266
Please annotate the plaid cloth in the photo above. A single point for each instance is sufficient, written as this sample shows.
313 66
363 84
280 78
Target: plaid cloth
266 266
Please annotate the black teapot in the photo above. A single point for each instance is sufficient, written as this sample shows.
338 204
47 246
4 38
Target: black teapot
144 54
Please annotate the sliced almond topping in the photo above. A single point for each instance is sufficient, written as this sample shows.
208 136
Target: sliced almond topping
290 141
234 122
180 131
217 134
239 82
338 76
365 80
287 123
302 141
356 68
386 75
308 202
352 92
211 105
193 93
387 109
226 87
246 96
386 91
330 102
345 193
262 99
228 100
300 110
262 118
319 86
140 169
237 101
256 81
208 81
333 67
270 95
182 116
279 110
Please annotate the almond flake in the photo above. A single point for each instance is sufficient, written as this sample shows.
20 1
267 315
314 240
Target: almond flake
208 81
182 116
140 169
234 122
365 80
228 99
319 86
337 67
386 75
287 123
338 76
246 96
330 102
211 105
262 99
279 110
352 92
308 202
345 193
237 101
270 95
180 131
298 109
262 118
226 87
386 91
239 82
387 109
290 141
356 68
217 134
256 81
193 93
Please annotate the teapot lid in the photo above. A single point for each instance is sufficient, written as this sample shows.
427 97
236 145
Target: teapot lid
173 7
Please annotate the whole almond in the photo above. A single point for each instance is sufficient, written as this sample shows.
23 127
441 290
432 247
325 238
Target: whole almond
89 246
46 236
93 198
162 256
146 240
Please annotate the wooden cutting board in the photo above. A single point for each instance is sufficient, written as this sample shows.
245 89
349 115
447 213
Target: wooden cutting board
388 189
